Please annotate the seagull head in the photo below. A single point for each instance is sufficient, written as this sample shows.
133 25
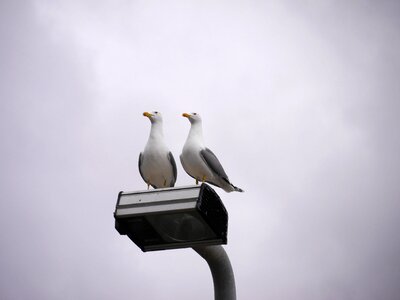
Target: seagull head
192 117
154 116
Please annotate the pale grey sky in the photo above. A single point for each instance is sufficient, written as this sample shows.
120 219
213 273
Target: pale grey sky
299 101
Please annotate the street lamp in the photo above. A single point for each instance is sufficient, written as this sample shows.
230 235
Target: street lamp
170 218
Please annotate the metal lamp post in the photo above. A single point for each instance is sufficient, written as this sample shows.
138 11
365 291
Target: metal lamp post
171 218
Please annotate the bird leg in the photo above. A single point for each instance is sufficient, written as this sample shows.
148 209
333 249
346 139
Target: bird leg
148 183
203 179
165 182
197 181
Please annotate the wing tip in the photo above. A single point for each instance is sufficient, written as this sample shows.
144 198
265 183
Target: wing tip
237 189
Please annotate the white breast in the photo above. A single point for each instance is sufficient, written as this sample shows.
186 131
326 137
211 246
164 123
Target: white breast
156 167
193 163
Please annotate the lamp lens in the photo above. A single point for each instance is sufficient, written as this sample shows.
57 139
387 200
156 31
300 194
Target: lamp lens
181 227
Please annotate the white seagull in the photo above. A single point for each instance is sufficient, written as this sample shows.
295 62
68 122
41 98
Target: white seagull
156 163
200 162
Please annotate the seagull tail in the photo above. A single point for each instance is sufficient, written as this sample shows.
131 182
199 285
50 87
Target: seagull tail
229 187
237 189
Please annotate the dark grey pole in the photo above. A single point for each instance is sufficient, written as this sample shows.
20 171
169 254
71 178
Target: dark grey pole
221 270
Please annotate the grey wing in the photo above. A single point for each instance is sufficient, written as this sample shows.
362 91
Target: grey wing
213 163
172 161
140 166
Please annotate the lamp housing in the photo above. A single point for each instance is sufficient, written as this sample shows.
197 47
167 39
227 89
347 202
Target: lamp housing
171 218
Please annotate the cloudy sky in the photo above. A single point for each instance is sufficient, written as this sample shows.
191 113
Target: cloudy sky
300 101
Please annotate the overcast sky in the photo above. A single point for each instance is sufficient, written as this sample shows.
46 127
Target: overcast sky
300 102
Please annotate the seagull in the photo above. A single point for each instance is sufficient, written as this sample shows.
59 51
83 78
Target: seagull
200 162
156 163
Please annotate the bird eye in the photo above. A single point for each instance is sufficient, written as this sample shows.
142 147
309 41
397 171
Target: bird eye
194 113
156 112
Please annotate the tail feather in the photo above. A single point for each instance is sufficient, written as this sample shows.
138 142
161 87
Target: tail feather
237 189
229 184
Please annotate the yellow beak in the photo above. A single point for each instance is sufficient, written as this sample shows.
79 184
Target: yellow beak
147 114
185 115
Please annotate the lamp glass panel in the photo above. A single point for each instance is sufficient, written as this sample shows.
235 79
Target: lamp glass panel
181 227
